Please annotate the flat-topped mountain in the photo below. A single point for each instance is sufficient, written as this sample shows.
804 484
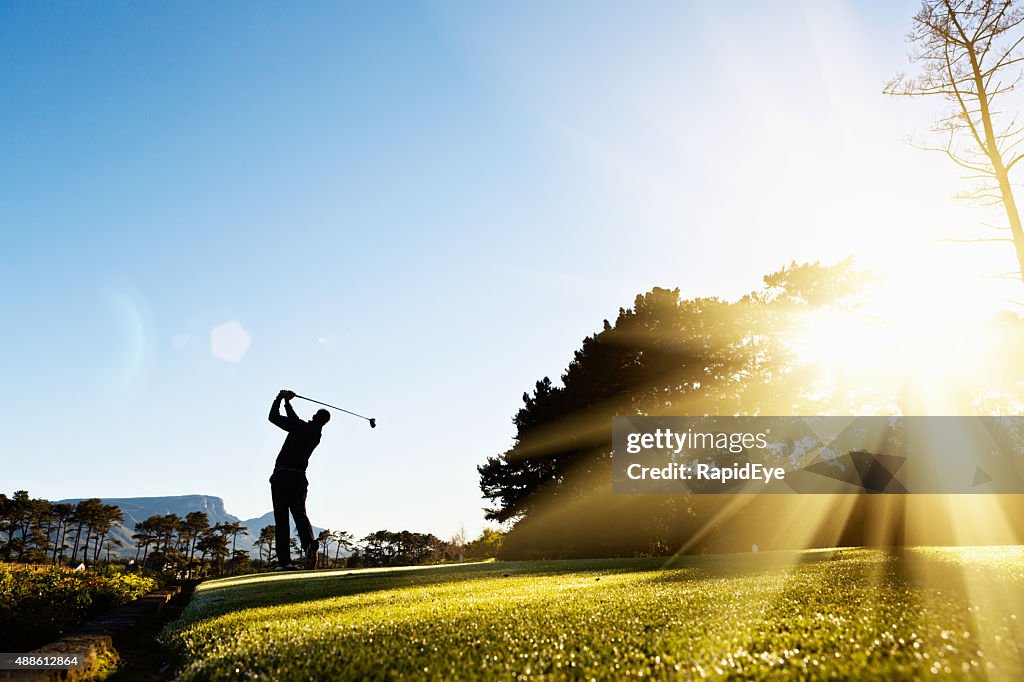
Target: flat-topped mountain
136 509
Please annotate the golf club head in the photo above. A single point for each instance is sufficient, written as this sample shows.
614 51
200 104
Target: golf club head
373 423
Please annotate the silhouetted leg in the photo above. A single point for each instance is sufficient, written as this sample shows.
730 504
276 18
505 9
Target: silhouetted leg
302 525
280 494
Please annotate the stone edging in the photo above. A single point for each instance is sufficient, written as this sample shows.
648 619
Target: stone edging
95 639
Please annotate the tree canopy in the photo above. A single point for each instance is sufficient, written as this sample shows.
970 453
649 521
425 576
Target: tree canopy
667 355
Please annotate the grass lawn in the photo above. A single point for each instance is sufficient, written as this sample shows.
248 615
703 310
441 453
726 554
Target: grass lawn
871 613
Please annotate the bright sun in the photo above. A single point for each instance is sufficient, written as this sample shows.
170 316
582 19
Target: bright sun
905 339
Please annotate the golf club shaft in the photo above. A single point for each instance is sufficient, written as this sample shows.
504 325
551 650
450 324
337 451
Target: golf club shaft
339 409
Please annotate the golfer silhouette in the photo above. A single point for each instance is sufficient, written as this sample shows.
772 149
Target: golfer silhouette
288 484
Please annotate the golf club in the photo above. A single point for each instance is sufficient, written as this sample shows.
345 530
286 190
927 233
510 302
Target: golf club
373 422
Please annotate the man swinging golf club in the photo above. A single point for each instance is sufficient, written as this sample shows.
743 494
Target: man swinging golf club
288 484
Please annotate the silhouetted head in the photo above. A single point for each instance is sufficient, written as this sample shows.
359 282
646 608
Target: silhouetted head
321 417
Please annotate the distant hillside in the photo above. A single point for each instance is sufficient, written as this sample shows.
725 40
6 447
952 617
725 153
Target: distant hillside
136 509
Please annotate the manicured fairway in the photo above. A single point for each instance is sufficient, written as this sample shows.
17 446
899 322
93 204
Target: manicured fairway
814 614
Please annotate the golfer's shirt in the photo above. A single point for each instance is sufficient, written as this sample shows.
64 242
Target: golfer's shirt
302 439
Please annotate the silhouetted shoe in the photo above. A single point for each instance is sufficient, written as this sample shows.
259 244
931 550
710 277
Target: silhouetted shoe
311 555
289 567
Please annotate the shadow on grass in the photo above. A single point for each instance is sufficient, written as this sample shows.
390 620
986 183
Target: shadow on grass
267 590
219 597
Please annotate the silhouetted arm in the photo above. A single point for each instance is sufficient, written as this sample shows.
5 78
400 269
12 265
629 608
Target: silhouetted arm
290 412
276 418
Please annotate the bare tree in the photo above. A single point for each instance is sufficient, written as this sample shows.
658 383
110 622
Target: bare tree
968 54
457 544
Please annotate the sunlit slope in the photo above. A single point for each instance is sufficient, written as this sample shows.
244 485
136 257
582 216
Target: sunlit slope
819 613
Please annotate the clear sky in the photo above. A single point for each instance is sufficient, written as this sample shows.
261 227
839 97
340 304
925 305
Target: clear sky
413 210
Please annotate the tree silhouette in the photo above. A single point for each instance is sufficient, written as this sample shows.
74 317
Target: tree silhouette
166 529
663 356
104 518
343 540
88 513
325 538
213 542
402 548
265 541
234 529
192 528
144 536
62 513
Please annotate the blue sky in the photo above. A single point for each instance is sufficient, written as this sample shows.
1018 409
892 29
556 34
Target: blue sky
414 210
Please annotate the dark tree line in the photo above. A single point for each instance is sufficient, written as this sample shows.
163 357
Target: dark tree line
36 530
190 545
405 548
39 531
402 548
386 548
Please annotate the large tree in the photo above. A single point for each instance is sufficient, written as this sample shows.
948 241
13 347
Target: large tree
343 541
107 515
195 524
967 51
144 536
62 514
234 529
88 513
665 355
265 541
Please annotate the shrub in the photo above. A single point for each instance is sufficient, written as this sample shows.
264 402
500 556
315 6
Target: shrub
38 604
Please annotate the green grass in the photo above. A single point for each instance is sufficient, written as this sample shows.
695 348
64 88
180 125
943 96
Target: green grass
815 614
